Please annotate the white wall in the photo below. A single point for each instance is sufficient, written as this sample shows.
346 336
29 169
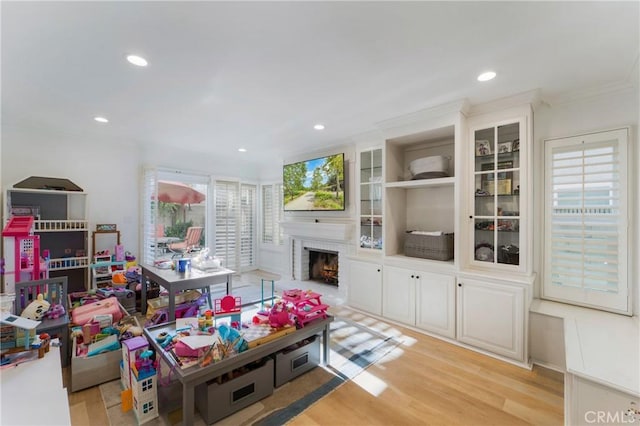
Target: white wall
108 170
596 113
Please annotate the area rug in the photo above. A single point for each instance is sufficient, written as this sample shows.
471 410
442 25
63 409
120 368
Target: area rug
354 347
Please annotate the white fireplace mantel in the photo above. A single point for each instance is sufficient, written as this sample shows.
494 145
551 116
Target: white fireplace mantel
318 230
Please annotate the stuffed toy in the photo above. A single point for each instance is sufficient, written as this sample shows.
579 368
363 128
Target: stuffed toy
36 309
56 310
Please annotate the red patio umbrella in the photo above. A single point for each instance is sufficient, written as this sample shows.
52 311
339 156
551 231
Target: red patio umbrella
175 192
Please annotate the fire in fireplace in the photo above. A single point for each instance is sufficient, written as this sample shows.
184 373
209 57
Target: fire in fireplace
323 266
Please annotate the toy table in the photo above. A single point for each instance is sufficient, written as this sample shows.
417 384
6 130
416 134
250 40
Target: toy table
174 281
194 375
306 305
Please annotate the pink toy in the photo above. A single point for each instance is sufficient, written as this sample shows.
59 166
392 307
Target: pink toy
85 313
55 311
279 315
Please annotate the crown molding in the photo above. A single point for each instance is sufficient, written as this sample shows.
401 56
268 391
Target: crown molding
531 97
591 93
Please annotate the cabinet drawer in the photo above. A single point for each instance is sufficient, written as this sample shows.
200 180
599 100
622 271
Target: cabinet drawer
293 363
216 401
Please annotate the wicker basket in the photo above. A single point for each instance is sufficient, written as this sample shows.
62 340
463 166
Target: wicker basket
429 246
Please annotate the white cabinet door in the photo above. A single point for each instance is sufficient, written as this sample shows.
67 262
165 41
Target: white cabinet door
398 295
435 303
365 286
491 317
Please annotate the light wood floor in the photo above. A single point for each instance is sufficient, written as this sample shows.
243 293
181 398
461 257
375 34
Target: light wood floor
423 381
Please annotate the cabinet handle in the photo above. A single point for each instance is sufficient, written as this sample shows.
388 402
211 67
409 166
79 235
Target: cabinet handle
459 284
412 276
417 276
378 270
470 217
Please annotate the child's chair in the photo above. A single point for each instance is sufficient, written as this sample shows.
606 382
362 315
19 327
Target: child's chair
54 291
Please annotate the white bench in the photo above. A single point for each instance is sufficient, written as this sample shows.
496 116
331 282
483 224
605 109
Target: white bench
600 355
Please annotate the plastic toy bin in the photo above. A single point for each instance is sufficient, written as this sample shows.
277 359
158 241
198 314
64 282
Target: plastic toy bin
216 401
295 360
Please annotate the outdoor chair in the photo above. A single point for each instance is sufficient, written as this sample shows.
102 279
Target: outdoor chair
54 291
191 241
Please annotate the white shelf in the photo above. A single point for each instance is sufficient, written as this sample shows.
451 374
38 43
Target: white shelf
61 225
68 263
422 183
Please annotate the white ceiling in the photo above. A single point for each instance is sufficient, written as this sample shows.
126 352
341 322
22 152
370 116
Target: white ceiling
259 75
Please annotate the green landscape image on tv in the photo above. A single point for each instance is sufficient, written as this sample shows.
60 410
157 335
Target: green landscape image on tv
316 184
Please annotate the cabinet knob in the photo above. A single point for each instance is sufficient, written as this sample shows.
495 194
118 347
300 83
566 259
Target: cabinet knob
470 217
459 284
378 269
412 276
418 276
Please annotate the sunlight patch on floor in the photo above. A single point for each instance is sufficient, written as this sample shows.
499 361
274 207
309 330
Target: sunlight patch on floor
370 383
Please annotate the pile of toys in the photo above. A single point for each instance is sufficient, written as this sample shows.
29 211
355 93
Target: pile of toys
100 327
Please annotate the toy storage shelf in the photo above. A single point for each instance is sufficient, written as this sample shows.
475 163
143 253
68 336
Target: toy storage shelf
60 221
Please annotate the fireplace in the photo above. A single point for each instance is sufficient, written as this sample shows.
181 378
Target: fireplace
323 266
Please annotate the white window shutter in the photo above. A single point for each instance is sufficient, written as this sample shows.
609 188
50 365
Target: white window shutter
149 206
247 226
586 220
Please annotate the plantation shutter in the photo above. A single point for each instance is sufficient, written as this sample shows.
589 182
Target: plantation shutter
226 200
149 209
586 220
267 214
272 214
247 226
278 209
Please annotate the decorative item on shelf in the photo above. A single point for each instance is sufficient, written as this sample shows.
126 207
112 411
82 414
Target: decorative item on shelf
504 186
516 145
509 254
504 147
483 147
106 227
484 252
429 167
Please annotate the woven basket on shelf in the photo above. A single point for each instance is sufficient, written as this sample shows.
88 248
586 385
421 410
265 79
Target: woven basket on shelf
429 246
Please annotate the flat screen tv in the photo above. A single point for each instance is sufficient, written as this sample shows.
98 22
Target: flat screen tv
314 185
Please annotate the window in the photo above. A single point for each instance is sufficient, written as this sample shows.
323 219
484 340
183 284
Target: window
272 214
227 195
172 201
236 224
586 212
247 226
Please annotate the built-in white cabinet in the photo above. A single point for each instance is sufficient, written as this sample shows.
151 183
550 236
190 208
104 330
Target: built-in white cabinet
370 196
466 172
419 201
436 303
365 286
399 294
422 299
499 190
491 316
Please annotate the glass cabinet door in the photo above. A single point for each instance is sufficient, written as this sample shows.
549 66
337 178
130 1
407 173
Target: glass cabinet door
371 199
496 215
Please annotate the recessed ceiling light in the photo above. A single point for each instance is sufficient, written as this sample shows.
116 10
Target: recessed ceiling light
242 149
101 119
486 76
137 60
319 127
